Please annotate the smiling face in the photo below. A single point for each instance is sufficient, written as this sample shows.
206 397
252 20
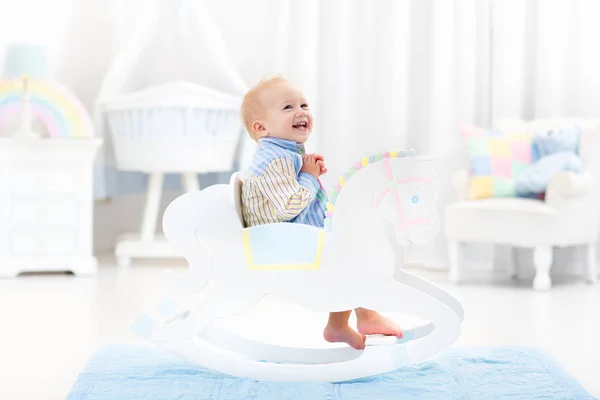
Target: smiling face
285 113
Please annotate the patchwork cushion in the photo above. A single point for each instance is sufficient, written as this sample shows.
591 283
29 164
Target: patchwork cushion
496 161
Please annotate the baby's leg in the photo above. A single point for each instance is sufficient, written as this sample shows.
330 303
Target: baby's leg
370 322
338 330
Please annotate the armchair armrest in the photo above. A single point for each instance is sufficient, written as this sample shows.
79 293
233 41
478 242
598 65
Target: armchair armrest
460 184
567 185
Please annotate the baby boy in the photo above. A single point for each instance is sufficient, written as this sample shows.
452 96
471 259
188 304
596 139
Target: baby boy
283 184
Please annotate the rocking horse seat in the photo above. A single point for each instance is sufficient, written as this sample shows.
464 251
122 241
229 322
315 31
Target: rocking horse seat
283 246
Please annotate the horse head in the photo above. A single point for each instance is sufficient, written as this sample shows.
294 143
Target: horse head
394 188
407 202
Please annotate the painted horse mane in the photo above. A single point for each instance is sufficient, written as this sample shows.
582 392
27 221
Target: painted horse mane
358 165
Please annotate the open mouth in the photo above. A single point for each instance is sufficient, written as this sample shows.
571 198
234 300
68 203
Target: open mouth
300 125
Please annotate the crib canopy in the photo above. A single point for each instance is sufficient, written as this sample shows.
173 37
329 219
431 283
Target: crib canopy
177 40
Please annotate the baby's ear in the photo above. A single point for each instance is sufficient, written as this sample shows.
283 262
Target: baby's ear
260 129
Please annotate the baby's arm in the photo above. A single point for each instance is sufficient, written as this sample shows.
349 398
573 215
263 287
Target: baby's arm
288 195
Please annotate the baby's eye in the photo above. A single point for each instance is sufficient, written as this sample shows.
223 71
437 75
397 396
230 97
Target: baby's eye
304 105
414 199
288 107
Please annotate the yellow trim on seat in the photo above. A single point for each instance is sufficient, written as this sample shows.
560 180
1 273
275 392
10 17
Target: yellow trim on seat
315 265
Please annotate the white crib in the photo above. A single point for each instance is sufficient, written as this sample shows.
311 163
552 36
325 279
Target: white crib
178 127
175 127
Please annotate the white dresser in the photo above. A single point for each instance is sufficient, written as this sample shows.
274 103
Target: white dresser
46 205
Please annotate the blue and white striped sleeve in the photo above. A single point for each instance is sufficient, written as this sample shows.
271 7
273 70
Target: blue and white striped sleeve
287 194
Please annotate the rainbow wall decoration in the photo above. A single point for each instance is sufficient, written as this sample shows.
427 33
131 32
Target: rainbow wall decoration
61 112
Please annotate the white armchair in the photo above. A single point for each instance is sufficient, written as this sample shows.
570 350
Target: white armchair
569 216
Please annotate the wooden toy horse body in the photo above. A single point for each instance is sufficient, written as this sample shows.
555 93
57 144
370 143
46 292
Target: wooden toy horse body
349 264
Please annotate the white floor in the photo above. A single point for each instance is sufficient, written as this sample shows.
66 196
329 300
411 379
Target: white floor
51 324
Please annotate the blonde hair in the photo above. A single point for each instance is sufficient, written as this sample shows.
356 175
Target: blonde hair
252 107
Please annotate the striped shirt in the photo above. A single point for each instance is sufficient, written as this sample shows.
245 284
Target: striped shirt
276 191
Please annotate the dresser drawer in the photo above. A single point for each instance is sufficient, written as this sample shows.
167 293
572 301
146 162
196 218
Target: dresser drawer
42 244
51 180
55 213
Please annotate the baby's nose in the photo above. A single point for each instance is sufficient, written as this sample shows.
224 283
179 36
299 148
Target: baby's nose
300 113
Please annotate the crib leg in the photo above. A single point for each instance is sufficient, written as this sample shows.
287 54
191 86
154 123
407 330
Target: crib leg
189 181
153 195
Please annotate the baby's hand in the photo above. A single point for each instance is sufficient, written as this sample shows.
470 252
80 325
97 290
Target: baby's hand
310 165
321 162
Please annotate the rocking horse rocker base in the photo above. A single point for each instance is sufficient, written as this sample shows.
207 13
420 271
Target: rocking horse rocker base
347 265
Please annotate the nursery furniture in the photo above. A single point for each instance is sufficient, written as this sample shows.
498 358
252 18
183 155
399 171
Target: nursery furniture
172 124
46 178
569 215
46 205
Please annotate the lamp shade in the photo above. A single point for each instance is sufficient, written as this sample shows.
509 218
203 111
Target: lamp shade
25 59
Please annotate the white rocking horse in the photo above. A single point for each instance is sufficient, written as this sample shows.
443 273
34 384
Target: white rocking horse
349 264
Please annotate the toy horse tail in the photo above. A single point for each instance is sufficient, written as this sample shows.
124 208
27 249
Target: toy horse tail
180 222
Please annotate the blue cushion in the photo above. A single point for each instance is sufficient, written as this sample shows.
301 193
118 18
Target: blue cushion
535 177
555 141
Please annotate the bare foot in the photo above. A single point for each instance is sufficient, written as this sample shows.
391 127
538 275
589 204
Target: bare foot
344 334
372 323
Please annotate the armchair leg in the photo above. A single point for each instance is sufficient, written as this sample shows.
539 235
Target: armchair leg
592 272
542 258
514 267
454 256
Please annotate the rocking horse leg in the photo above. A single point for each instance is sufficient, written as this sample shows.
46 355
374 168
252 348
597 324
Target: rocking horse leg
223 302
148 328
399 296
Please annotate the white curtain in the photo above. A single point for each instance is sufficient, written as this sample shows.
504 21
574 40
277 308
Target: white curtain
386 73
407 73
545 63
389 74
545 58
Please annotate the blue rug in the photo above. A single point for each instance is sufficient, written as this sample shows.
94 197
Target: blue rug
140 372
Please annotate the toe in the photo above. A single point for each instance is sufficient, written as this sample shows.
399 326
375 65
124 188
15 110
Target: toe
360 345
